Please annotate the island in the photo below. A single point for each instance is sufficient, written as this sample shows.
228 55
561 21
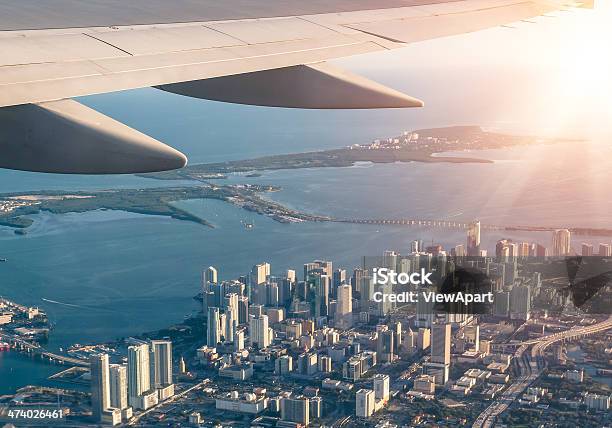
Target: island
422 145
16 207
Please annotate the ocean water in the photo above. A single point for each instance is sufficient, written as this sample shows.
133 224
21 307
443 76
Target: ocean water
106 275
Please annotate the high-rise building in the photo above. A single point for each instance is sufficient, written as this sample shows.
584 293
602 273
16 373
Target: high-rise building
459 251
317 294
243 309
561 242
605 250
385 346
424 309
316 407
344 306
214 328
118 386
100 385
210 276
424 338
259 273
295 409
239 336
283 365
473 239
259 332
502 303
339 278
390 259
587 249
139 380
356 279
440 343
520 302
381 387
364 403
365 286
472 335
161 363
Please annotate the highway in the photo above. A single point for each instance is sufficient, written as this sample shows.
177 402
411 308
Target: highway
531 367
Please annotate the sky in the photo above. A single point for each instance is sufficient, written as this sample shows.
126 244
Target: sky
549 74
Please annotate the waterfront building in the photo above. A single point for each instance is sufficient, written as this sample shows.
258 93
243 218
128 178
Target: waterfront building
140 394
473 239
100 385
118 386
561 242
161 368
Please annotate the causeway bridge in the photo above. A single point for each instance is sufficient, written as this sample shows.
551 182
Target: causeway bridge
35 349
461 225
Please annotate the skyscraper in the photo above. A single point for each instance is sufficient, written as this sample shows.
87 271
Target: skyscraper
502 303
439 363
440 343
213 327
295 410
381 387
118 386
161 368
473 239
139 380
364 403
259 332
161 363
243 309
472 335
561 242
520 302
100 385
605 250
389 260
424 309
339 277
210 276
365 287
386 345
587 249
230 305
317 289
344 307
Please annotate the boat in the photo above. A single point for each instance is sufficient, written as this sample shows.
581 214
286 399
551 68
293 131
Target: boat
247 225
3 260
4 346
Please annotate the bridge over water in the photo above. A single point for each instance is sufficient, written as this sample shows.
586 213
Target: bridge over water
34 349
459 225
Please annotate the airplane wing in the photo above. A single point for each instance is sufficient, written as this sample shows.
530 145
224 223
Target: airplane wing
259 52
